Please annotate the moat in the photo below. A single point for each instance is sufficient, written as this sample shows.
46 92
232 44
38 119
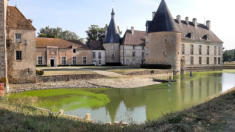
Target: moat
132 105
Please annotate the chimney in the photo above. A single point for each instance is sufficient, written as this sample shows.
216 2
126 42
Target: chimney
187 20
178 19
30 20
208 24
195 22
153 13
132 30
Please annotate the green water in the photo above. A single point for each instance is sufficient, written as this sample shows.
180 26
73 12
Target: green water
132 105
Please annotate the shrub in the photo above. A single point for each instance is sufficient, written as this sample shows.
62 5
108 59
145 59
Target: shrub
39 72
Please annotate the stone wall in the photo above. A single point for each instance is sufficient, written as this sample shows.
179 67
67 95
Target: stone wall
3 64
164 48
112 52
24 70
67 77
215 51
96 59
126 55
56 54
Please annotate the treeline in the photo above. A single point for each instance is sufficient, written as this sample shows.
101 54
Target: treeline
94 33
229 55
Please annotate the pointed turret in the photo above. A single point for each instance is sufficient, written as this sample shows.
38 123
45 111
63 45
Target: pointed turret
112 35
162 20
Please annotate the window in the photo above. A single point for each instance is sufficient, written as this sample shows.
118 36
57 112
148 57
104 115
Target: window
99 55
18 55
94 55
63 60
142 54
219 61
200 60
215 50
74 60
84 60
18 38
113 56
189 35
200 50
207 60
39 60
74 51
208 50
191 49
191 60
133 54
183 49
205 37
215 60
100 62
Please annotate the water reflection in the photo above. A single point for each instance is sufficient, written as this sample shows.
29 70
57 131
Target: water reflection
152 102
135 105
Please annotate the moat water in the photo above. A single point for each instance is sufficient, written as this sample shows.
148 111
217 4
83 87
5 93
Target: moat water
132 105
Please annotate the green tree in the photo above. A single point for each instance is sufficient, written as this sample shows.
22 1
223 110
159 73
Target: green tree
229 55
96 33
58 32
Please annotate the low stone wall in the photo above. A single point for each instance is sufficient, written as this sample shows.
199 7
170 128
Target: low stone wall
206 68
151 72
58 78
229 67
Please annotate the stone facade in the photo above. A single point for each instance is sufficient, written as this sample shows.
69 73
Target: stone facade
112 51
3 61
20 47
50 52
21 70
131 55
98 57
164 48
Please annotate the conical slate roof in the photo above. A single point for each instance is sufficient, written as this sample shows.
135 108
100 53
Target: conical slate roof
162 20
112 35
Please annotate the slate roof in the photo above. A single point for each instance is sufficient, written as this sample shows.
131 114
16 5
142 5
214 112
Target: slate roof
60 43
163 21
16 20
137 39
95 45
112 35
197 33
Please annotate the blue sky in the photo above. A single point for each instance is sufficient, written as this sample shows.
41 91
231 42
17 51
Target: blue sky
78 15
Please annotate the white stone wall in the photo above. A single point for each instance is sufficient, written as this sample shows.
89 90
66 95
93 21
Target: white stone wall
212 54
127 58
97 60
112 52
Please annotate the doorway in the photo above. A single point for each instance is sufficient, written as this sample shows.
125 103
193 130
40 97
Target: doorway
52 62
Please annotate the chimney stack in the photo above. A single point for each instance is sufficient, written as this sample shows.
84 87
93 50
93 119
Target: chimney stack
30 20
132 30
195 22
178 19
153 13
208 24
187 20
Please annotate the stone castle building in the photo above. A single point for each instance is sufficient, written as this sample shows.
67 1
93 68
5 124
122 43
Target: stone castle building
17 45
179 44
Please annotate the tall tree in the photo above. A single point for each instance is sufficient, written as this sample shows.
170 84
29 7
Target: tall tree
229 55
95 33
58 32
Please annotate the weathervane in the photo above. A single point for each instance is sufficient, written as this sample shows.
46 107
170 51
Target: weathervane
112 3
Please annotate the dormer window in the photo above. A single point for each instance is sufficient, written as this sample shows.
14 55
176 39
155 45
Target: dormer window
189 35
205 37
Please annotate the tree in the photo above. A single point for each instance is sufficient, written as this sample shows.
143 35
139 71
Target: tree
229 55
95 33
58 32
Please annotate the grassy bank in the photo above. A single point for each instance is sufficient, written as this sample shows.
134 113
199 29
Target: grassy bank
215 115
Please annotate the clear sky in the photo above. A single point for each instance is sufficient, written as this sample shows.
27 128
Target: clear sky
78 15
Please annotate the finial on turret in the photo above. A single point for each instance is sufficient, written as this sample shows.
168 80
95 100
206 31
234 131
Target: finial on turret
113 13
